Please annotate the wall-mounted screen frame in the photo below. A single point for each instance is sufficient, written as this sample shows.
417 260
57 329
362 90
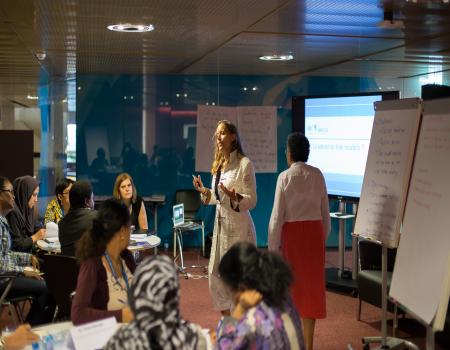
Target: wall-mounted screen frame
339 129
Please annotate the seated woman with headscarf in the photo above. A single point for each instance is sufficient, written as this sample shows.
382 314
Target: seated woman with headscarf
157 324
30 283
59 206
106 268
25 230
263 316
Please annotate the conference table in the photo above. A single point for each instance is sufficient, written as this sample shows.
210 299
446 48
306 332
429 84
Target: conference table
93 334
139 241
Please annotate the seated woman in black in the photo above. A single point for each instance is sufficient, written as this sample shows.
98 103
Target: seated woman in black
125 190
25 230
31 283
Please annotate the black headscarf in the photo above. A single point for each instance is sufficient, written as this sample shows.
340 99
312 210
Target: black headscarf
24 187
154 300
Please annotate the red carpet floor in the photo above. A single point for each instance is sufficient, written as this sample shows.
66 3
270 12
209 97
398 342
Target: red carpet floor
337 331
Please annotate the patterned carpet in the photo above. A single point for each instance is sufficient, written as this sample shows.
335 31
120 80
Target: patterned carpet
339 330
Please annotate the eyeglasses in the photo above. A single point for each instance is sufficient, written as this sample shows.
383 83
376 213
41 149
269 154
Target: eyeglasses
7 190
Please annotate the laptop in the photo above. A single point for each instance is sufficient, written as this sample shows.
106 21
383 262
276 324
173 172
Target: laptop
178 217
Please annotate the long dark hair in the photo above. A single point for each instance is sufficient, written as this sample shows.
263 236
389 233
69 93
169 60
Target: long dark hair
111 217
246 267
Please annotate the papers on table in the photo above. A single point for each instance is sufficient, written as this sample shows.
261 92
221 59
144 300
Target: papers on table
93 335
136 236
146 242
51 230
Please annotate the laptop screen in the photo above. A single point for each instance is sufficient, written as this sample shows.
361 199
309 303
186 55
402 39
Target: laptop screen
178 214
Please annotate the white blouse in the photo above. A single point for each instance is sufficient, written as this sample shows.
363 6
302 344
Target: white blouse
300 195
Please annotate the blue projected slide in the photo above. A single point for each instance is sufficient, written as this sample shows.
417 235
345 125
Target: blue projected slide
339 130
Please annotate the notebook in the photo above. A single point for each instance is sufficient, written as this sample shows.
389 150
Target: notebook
178 217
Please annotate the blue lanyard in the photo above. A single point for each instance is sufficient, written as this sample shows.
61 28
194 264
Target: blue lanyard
113 271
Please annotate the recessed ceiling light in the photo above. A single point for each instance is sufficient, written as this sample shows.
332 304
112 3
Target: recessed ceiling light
276 57
131 28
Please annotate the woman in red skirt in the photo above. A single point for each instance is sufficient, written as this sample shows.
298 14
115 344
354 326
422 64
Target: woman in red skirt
298 228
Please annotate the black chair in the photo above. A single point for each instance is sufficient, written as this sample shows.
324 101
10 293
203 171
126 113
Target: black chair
61 275
192 202
369 274
15 305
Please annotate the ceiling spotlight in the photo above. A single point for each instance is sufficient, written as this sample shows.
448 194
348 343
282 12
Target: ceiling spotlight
131 28
31 97
276 57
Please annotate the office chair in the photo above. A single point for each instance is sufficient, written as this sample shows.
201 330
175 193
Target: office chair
369 275
61 275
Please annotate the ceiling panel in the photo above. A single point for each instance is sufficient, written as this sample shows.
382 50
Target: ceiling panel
338 38
379 69
311 52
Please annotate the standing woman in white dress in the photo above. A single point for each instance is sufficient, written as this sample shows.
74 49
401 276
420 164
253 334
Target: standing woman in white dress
233 191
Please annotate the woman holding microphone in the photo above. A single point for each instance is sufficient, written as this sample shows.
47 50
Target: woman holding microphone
233 191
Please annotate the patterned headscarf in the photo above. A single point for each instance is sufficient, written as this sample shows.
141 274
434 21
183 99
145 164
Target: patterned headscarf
154 297
24 187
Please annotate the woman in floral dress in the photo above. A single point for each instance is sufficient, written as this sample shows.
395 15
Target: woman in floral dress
263 316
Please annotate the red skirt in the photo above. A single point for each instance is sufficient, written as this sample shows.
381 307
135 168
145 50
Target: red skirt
303 247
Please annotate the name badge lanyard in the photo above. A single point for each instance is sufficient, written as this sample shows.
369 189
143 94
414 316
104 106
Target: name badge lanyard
113 271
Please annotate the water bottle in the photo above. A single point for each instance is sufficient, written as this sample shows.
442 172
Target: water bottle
48 342
45 343
36 345
166 246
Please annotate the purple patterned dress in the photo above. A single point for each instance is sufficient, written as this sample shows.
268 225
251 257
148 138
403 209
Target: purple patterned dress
262 327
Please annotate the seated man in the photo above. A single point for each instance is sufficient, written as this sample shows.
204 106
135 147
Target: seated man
79 218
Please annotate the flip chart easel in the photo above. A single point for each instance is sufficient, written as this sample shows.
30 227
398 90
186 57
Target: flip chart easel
424 250
385 187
